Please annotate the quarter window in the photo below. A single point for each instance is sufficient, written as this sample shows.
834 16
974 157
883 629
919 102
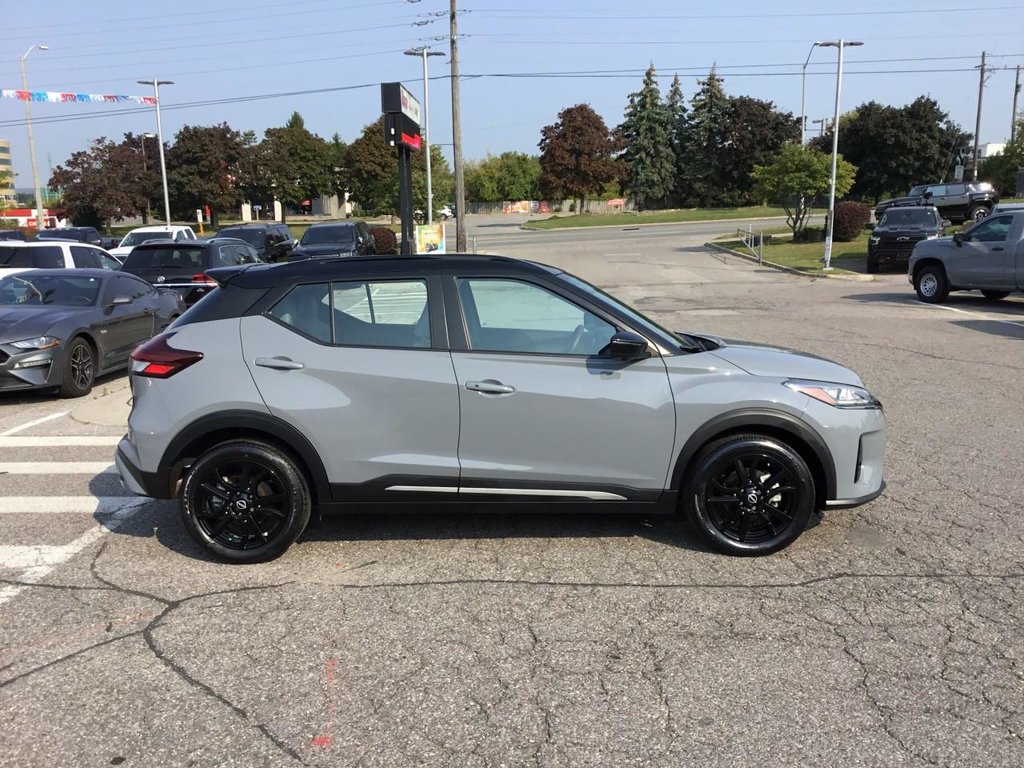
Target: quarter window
307 309
513 316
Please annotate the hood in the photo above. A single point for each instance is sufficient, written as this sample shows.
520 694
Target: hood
120 252
17 323
911 229
898 201
778 362
326 249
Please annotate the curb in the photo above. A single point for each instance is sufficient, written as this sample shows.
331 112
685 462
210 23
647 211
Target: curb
110 409
790 270
652 224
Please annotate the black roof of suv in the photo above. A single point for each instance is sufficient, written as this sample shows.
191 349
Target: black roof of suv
183 264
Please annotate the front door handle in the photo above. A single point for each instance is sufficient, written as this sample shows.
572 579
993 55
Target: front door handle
278 363
998 248
490 387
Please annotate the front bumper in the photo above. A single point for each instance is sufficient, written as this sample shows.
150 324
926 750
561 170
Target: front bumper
856 439
31 369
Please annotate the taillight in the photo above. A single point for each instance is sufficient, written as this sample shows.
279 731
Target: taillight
204 279
159 360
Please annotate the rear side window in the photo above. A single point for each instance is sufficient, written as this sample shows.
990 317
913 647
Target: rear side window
307 309
165 258
85 258
47 257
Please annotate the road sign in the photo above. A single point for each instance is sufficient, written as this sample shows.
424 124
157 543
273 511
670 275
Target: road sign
958 173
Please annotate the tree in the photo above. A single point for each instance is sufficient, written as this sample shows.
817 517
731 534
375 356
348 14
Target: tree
509 176
647 135
102 183
754 134
577 155
298 163
895 148
1001 170
203 168
796 177
701 142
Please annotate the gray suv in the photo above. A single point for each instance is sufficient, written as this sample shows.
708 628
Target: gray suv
339 385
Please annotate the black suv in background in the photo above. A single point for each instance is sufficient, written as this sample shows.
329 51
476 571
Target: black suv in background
88 235
273 242
333 238
958 202
898 231
182 265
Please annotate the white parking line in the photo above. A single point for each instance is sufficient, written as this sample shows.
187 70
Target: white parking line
56 468
35 422
103 506
982 315
58 441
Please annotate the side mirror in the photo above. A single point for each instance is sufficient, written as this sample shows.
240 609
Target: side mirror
927 195
121 300
958 238
626 345
945 223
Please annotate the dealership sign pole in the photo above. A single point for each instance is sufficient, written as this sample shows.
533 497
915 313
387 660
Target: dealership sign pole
402 130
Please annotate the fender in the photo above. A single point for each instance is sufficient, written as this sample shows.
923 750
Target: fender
749 419
244 423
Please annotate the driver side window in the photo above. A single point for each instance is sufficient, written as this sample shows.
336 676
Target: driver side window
992 230
515 316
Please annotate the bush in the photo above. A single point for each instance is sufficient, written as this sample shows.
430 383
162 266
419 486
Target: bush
850 220
384 240
810 235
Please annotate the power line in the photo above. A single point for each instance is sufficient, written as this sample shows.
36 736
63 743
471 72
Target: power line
517 13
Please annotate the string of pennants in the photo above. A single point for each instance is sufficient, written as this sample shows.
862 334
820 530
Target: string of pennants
89 98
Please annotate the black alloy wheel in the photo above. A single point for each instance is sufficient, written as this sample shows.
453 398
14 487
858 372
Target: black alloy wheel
245 501
750 495
79 369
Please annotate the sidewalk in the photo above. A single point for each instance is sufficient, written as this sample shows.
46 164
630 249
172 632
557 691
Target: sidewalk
108 407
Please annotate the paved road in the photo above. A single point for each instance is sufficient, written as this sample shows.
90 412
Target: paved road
889 635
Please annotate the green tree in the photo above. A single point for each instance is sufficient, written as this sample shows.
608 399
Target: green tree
509 176
754 133
298 163
339 157
895 148
647 135
1001 170
702 141
798 175
577 155
100 184
680 120
203 167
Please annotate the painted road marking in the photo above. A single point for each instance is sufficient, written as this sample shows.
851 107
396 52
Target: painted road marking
58 441
71 505
56 468
34 423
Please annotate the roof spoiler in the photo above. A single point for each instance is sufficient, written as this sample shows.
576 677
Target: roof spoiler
224 275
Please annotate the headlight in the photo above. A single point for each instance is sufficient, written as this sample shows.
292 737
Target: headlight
838 395
874 240
40 342
932 237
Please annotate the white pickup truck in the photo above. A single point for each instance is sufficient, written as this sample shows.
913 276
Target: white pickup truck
988 257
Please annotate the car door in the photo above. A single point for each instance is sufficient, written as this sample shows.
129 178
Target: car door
542 412
361 367
124 326
985 258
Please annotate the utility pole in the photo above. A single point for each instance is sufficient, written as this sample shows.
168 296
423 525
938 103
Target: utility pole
460 181
977 123
1013 117
32 140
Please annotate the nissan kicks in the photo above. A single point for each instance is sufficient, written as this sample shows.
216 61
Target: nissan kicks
352 384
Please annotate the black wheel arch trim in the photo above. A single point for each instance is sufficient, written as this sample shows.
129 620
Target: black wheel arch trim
245 423
749 420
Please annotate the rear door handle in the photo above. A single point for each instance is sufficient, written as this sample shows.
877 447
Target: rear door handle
999 248
490 387
278 363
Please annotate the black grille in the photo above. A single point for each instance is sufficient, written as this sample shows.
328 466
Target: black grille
3 357
897 247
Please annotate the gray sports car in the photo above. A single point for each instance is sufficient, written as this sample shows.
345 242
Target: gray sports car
64 327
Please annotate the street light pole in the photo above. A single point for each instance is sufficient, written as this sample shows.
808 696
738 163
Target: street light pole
145 171
160 142
803 93
32 139
840 44
424 52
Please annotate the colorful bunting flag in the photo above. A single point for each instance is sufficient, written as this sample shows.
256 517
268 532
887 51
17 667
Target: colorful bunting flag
54 96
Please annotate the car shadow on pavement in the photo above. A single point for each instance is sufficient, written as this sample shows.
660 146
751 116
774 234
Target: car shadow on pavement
1003 328
1012 308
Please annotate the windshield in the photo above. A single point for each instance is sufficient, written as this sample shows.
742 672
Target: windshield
47 257
253 237
155 257
134 238
917 191
342 233
907 217
49 290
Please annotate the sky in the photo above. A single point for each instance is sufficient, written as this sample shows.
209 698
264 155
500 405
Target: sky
520 61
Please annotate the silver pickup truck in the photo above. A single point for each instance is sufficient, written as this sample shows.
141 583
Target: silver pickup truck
988 256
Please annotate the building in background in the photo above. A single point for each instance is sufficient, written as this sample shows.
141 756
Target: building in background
8 197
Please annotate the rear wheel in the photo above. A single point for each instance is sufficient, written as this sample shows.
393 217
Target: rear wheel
978 213
245 501
79 369
931 284
749 495
872 265
995 295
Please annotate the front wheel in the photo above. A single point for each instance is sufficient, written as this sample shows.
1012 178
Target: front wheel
872 265
245 502
749 495
931 284
79 369
995 295
978 213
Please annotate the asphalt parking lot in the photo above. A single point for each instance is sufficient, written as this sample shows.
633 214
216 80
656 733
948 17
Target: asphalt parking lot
888 635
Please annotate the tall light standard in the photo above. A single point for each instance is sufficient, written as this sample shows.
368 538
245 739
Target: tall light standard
423 51
160 142
821 125
145 170
803 93
840 44
32 138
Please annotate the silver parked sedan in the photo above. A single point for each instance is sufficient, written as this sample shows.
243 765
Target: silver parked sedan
343 384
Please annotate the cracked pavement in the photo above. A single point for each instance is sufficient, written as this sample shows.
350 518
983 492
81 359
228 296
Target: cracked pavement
887 635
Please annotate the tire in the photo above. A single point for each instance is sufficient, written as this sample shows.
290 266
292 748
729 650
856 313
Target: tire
872 267
749 495
931 284
79 369
978 212
245 501
995 295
